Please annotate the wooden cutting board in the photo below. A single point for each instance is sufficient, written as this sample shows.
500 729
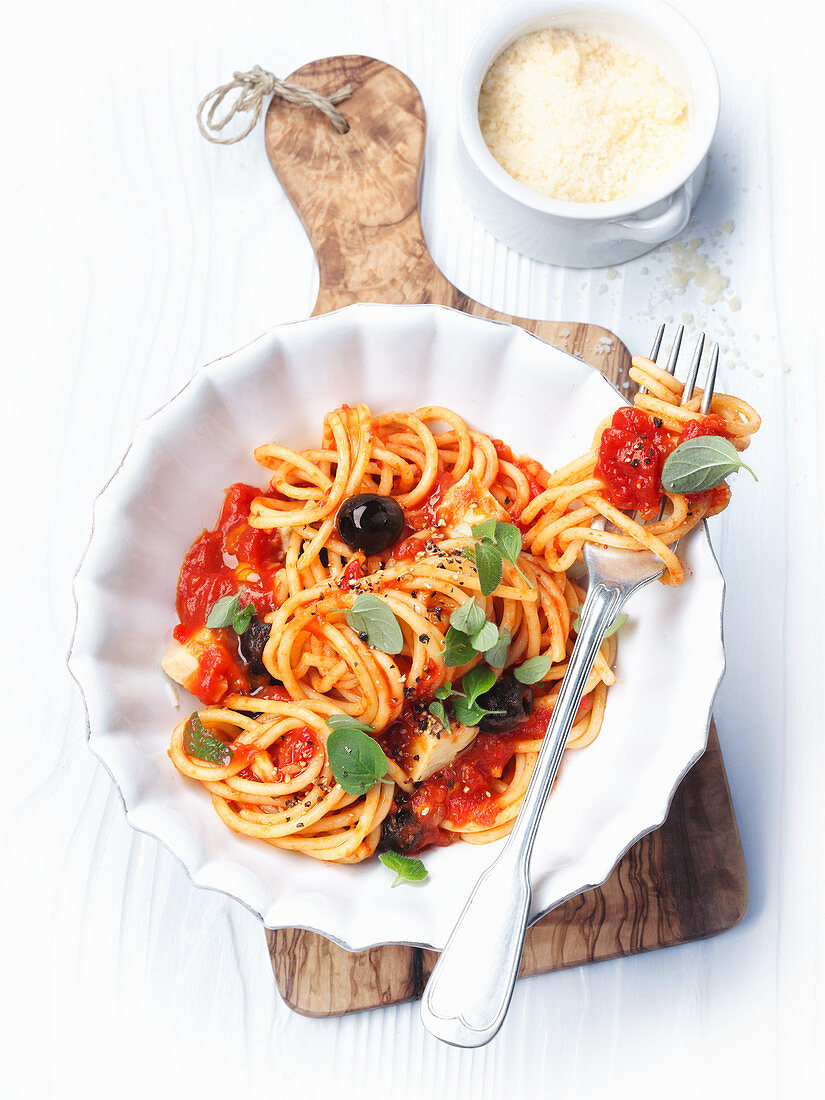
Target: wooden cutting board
357 196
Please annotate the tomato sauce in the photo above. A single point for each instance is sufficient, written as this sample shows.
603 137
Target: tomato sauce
396 740
293 752
712 424
425 515
273 691
247 754
717 498
290 754
205 575
352 573
219 673
632 452
460 793
404 550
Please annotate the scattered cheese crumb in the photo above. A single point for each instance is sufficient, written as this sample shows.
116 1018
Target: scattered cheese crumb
603 346
691 265
580 118
735 304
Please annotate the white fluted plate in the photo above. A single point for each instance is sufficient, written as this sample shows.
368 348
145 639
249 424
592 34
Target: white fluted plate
169 486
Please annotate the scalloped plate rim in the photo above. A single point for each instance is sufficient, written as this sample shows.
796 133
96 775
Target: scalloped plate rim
350 941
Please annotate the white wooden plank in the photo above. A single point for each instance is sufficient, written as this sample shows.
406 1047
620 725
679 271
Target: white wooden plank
133 252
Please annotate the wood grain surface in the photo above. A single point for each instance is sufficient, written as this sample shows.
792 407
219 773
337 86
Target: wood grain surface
357 197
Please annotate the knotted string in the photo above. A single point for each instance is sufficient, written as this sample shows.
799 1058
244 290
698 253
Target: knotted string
252 88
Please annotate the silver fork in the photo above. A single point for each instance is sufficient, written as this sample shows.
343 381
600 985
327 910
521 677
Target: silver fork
469 991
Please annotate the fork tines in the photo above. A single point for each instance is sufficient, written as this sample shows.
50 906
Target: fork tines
693 371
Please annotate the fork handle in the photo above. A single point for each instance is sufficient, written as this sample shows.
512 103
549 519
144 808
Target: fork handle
469 991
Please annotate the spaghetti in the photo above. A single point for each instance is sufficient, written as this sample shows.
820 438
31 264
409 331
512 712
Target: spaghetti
270 690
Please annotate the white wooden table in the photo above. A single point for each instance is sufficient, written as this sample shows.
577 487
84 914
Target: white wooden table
133 252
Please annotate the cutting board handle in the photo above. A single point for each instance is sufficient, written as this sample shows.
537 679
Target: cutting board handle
357 193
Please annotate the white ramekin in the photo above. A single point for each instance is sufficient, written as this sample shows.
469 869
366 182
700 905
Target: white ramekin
590 234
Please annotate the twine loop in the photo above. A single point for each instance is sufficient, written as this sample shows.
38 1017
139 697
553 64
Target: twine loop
253 88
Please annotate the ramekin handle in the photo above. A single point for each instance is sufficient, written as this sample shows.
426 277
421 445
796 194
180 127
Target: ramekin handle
658 229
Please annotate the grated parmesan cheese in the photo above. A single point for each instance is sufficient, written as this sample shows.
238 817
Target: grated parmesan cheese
579 117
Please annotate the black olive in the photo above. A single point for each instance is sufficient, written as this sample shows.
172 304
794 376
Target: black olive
252 643
370 522
400 831
515 700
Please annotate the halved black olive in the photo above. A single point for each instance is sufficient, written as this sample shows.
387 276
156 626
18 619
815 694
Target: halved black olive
513 699
370 522
252 643
400 831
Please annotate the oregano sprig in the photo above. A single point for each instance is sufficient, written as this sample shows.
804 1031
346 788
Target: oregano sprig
227 611
533 670
373 617
700 464
464 704
437 708
495 542
471 633
356 759
406 868
619 621
496 655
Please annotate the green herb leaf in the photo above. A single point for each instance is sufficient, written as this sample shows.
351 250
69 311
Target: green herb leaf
469 617
223 611
241 621
620 620
496 655
476 682
508 540
444 692
468 714
371 616
700 464
485 638
485 530
202 745
487 558
406 868
346 721
357 761
439 711
533 670
458 649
